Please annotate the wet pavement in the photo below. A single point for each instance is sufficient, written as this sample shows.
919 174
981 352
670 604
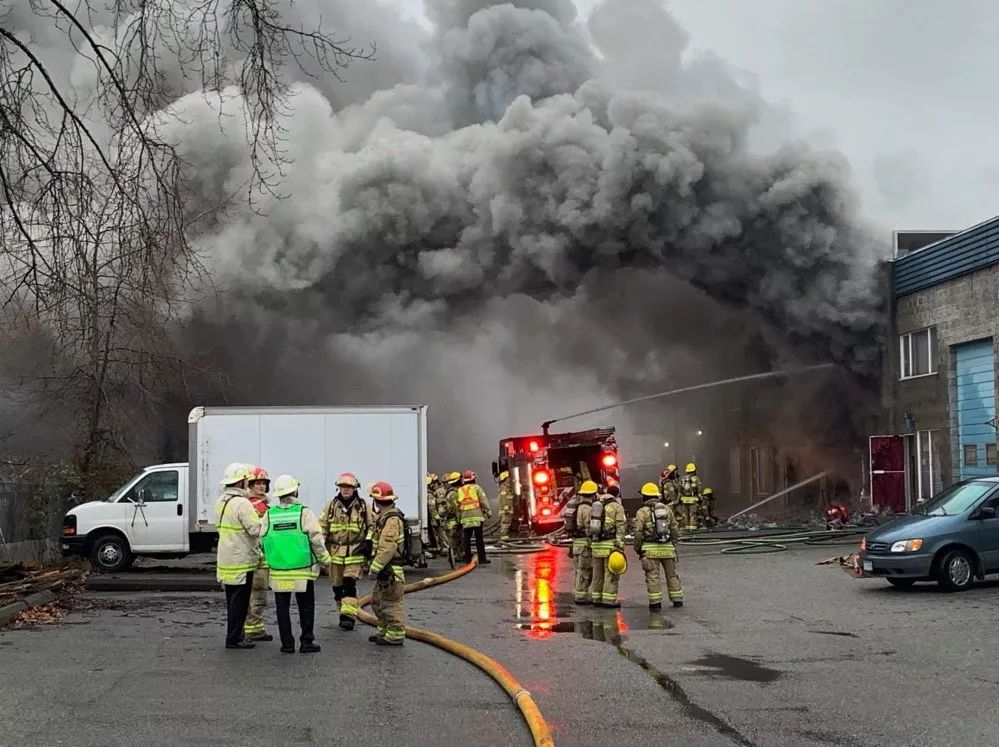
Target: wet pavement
769 650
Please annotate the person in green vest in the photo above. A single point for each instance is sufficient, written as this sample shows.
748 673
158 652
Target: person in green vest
295 549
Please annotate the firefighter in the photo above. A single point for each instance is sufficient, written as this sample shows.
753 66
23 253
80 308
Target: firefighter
505 505
669 485
690 497
607 528
439 528
582 557
450 514
433 484
347 523
254 630
656 531
296 546
386 568
708 518
473 508
239 550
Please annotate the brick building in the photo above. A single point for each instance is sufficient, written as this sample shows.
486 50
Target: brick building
940 367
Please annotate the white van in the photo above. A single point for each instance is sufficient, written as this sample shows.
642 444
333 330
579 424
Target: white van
167 510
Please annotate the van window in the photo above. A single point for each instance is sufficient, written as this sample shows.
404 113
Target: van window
157 487
956 499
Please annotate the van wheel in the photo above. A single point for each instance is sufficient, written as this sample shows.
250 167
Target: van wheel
902 583
956 571
110 553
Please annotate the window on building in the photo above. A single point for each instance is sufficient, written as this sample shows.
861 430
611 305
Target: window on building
918 352
990 454
970 455
922 466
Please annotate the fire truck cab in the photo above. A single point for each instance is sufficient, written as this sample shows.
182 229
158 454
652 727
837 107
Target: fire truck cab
546 470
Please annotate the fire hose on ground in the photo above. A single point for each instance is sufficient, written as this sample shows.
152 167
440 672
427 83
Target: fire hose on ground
540 731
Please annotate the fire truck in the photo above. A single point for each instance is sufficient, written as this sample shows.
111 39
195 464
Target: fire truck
547 470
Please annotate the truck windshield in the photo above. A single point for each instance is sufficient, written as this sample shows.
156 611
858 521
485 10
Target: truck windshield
120 491
955 500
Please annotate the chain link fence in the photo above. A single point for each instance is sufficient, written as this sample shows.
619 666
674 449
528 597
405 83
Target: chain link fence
32 508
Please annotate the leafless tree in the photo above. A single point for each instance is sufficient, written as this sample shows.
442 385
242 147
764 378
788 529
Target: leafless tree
96 228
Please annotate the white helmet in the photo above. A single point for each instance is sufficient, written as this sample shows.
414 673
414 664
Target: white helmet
285 485
235 472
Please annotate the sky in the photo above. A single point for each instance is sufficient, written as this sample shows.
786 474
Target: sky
903 87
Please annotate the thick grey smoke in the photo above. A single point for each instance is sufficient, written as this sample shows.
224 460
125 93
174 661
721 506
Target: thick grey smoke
519 215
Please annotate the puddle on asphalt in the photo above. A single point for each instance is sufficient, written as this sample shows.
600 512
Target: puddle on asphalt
735 668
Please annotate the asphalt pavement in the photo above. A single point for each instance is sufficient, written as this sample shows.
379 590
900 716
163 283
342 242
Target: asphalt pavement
769 650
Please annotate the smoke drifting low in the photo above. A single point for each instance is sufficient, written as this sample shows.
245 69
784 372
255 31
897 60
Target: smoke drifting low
517 214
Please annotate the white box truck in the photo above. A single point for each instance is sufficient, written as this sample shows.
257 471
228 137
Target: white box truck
168 510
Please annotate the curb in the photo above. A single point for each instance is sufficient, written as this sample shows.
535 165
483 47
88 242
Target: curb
148 583
9 611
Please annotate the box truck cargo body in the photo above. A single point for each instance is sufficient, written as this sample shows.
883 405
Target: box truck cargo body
168 510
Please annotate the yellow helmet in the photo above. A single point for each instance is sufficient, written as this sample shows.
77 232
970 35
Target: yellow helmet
588 488
431 478
651 490
617 563
453 478
671 468
504 475
707 491
691 468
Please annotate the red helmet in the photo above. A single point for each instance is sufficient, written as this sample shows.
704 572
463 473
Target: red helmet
382 492
349 479
259 474
468 476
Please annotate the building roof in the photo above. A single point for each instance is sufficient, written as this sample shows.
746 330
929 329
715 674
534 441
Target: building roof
972 249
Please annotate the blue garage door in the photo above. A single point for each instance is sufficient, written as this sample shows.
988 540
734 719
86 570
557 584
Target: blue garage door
976 408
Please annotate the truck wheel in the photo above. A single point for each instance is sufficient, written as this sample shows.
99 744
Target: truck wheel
902 583
110 553
956 571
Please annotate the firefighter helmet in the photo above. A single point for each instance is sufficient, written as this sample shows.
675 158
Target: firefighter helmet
286 485
453 478
259 474
505 474
468 476
691 468
707 491
382 492
651 490
234 473
349 480
588 488
668 472
431 478
617 563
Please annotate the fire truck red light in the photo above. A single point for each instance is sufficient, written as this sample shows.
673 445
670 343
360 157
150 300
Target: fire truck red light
533 446
546 512
540 478
609 460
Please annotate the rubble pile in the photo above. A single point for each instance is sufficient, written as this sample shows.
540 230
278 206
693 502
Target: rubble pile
18 580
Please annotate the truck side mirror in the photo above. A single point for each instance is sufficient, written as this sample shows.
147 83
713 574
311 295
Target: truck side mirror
141 496
495 470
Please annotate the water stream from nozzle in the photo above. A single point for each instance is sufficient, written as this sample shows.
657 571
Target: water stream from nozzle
694 388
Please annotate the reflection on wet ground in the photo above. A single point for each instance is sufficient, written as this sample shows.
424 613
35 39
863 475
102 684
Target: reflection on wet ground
543 612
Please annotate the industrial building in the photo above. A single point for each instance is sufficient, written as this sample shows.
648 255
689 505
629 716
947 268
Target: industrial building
939 368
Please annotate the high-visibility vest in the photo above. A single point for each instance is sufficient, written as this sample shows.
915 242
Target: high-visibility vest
286 544
468 498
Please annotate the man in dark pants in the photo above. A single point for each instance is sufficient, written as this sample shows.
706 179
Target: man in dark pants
473 507
237 602
238 557
295 547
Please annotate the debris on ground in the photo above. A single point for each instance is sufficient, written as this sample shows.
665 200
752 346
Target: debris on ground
18 580
53 612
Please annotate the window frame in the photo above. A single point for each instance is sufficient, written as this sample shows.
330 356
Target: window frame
964 455
906 353
130 495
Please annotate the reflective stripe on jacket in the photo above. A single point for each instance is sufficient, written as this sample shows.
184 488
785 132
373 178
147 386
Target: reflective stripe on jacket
389 535
239 530
645 533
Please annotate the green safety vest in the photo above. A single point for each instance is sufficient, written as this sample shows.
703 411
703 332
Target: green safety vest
286 544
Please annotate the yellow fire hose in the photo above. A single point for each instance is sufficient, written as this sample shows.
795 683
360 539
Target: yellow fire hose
521 697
